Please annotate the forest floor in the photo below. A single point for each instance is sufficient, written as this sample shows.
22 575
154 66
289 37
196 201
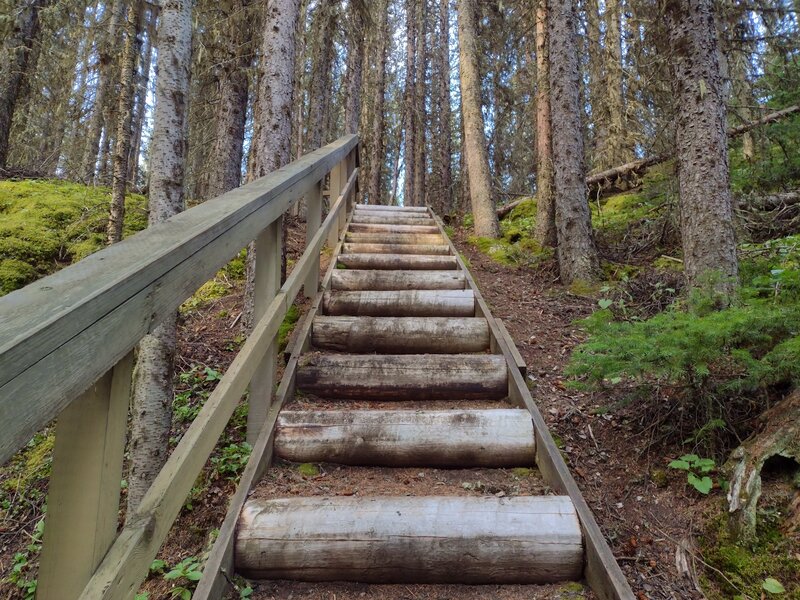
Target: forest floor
658 526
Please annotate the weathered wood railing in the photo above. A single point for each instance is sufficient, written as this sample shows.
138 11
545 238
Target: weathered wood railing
66 352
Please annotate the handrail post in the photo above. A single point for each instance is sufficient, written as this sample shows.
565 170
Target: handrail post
267 283
338 181
313 221
351 164
84 492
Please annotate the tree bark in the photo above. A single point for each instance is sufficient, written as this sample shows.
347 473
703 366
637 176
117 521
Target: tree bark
153 388
483 209
545 232
418 187
577 254
355 67
272 147
319 95
224 164
442 92
122 145
15 61
377 158
140 101
709 245
409 120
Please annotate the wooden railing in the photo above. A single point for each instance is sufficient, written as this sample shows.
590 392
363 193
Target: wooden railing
66 353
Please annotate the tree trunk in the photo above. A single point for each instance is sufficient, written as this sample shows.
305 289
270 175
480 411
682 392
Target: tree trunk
14 63
577 254
105 77
321 60
418 187
617 147
153 389
122 145
377 159
224 164
444 137
355 68
545 232
483 209
709 246
142 84
275 91
409 120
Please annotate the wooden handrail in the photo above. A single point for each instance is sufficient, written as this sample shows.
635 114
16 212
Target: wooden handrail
62 333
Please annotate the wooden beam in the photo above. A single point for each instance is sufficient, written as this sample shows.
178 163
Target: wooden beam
440 249
370 220
493 438
127 561
114 297
524 539
84 491
394 238
313 221
392 209
391 229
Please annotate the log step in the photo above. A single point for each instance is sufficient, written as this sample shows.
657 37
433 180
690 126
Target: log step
397 335
394 238
367 279
473 540
408 303
391 215
392 209
398 261
426 249
403 376
372 228
391 220
495 438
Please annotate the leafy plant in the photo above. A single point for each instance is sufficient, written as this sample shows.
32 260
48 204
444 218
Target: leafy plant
697 470
231 460
21 564
186 574
773 586
194 388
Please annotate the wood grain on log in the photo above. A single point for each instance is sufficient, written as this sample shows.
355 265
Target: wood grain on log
357 280
438 249
394 238
409 303
398 335
494 438
404 376
372 228
403 539
395 262
391 209
370 220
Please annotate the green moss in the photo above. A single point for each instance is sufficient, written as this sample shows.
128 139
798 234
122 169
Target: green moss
579 287
45 224
744 569
522 472
659 478
469 220
209 292
573 589
29 467
235 270
666 263
618 272
286 328
308 470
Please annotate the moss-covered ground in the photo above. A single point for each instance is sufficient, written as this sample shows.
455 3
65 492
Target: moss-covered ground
45 224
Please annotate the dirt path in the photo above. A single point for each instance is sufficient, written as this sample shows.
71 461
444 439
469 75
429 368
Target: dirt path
608 458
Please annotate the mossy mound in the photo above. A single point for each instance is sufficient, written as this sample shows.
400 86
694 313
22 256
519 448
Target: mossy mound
516 246
739 571
47 224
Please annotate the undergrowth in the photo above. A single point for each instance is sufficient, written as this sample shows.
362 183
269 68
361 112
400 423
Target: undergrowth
515 246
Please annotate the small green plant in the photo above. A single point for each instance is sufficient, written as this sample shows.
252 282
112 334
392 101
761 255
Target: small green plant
185 574
230 461
194 388
21 564
697 471
773 586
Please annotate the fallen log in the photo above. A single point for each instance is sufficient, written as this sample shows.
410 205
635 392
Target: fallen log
608 180
393 262
403 376
491 438
412 335
525 539
407 303
779 435
369 280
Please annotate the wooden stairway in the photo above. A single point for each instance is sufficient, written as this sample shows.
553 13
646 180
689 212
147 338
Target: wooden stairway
400 323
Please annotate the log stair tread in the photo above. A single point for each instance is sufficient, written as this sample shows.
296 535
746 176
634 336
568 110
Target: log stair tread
397 347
